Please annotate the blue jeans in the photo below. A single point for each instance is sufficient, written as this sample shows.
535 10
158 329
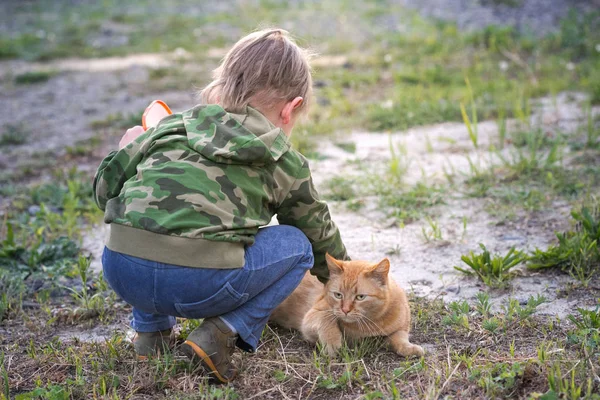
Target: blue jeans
243 297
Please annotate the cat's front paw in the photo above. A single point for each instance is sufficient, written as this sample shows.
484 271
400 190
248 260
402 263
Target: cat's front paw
411 350
332 349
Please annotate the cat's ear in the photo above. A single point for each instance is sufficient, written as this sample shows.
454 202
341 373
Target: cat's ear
380 271
335 266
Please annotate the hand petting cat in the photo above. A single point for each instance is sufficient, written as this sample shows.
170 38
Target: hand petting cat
359 300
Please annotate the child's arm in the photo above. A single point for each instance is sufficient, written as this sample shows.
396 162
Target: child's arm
303 209
116 168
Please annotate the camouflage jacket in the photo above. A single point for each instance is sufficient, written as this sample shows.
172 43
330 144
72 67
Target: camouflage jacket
194 190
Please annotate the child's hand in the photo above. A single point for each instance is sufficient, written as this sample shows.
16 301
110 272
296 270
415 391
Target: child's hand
130 135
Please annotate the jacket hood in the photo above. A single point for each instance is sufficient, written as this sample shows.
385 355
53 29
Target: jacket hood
246 138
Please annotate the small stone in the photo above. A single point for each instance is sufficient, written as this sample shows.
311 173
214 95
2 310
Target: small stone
509 237
29 304
453 289
181 54
33 210
522 302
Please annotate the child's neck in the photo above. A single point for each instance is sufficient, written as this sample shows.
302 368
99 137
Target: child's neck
274 116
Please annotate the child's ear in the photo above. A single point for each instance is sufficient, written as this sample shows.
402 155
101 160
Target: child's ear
288 109
297 102
380 271
335 267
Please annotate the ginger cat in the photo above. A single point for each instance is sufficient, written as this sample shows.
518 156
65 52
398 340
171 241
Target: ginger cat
360 300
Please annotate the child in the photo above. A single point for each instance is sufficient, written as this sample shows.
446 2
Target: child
185 201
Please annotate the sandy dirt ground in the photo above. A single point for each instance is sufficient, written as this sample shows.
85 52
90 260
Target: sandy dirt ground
426 268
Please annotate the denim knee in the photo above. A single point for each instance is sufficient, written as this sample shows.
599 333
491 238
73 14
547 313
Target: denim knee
301 241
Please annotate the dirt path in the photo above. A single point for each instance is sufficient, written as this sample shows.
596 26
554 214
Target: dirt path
52 115
427 268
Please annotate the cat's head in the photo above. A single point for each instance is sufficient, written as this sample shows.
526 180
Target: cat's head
357 290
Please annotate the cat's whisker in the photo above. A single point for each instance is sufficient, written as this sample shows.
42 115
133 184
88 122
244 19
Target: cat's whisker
365 327
379 328
329 319
378 331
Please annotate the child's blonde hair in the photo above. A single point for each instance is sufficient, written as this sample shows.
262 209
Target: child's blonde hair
263 68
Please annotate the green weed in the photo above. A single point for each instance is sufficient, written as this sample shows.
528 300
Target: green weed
50 392
465 222
34 77
514 312
84 147
11 297
4 375
92 304
187 326
586 333
434 233
530 175
483 306
349 147
577 251
28 254
494 271
459 315
576 35
14 135
408 205
566 386
340 189
471 123
43 240
592 131
399 163
501 378
118 120
501 121
588 319
410 110
510 3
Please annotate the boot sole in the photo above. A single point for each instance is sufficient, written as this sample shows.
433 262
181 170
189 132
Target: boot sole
207 361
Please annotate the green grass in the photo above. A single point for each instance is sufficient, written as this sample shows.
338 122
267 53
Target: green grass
340 189
577 250
473 352
40 235
14 135
405 203
391 81
497 62
118 120
410 204
494 271
34 77
528 169
434 233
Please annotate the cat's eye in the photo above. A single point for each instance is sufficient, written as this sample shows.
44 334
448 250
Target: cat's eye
337 295
360 297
